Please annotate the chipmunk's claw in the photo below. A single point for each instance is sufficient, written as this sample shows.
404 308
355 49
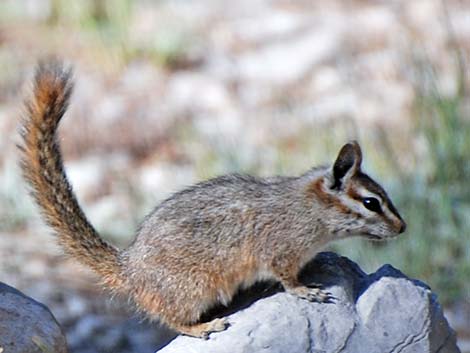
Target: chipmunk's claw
312 294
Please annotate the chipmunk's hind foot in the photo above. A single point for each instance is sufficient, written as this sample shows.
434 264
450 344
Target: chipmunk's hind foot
205 329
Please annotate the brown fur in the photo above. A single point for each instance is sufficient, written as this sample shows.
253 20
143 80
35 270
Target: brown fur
316 189
202 244
42 167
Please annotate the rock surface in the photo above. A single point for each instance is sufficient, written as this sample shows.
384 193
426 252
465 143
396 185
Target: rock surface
26 325
381 312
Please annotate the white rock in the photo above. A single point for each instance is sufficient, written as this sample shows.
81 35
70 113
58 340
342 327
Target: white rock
290 60
381 312
192 91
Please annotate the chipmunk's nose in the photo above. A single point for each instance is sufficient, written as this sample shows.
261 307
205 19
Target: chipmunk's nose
402 227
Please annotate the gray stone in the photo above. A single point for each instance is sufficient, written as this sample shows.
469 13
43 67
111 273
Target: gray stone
27 325
381 312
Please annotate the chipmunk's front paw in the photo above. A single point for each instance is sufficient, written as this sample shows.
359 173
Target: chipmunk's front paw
312 294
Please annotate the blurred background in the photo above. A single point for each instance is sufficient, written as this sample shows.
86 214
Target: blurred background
169 93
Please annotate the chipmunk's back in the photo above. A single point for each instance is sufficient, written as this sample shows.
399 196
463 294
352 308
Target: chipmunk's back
202 211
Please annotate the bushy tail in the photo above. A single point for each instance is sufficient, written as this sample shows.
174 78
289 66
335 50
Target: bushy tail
43 168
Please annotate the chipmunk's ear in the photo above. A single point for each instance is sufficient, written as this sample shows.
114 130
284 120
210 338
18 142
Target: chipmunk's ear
347 164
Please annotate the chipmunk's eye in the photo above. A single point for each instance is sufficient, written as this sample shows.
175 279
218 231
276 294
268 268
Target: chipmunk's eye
372 204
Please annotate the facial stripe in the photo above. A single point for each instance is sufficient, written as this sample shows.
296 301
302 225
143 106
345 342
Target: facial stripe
389 214
392 220
316 188
372 186
360 193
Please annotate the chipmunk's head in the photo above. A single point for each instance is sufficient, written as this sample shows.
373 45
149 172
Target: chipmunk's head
356 204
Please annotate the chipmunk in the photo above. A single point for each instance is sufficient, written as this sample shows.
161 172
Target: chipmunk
202 244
